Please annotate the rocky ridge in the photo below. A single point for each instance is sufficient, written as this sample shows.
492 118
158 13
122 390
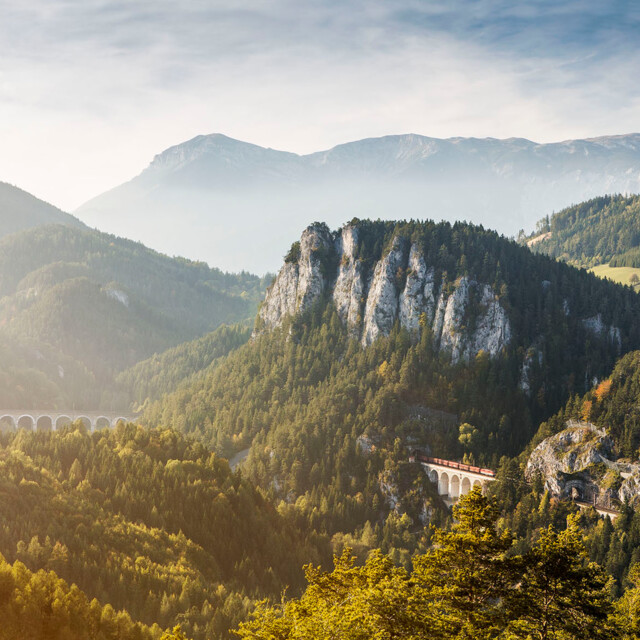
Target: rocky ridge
465 316
580 462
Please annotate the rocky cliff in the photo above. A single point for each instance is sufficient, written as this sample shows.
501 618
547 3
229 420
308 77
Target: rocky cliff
580 462
464 316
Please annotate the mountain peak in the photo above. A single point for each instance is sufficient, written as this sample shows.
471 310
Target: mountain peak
503 184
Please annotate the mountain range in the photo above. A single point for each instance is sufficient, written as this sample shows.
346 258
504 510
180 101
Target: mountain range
235 204
374 339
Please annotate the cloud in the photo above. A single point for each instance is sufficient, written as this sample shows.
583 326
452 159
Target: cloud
91 90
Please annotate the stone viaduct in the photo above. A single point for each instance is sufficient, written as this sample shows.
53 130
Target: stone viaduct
453 479
52 420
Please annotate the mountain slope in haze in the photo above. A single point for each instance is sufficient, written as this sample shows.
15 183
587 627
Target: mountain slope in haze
150 379
148 522
33 374
107 303
383 335
603 230
237 203
20 210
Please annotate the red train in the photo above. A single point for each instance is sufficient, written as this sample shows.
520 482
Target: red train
421 457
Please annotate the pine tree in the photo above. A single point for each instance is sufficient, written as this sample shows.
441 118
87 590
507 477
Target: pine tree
627 609
460 583
559 596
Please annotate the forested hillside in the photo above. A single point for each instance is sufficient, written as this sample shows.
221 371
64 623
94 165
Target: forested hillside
33 373
89 301
611 406
148 522
599 231
302 394
20 210
41 606
163 373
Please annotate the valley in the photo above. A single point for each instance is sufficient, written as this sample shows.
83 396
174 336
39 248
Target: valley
177 442
319 320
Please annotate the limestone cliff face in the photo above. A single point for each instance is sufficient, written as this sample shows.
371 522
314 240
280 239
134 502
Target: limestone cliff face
383 299
418 296
595 325
314 243
465 316
576 448
298 283
349 289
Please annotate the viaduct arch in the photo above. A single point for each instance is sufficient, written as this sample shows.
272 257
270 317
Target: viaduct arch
453 479
49 420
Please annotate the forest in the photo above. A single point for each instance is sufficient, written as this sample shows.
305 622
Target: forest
599 231
78 307
470 584
302 395
151 521
148 522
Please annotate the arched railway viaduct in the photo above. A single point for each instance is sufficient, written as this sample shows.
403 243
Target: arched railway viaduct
50 420
453 479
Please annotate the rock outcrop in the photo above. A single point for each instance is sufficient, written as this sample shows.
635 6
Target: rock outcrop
383 300
595 325
348 292
580 462
299 283
464 316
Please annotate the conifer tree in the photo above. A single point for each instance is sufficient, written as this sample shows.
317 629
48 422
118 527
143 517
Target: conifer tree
559 596
461 582
627 608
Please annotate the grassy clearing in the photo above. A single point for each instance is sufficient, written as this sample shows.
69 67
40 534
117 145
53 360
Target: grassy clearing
621 275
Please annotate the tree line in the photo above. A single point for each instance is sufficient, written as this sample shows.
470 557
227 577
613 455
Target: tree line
470 585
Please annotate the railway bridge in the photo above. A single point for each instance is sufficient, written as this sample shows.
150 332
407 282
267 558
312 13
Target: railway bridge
52 420
454 479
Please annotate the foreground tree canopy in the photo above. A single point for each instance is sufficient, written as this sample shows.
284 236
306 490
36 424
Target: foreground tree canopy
469 586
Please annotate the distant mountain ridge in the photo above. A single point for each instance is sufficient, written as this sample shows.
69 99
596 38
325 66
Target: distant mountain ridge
234 204
20 210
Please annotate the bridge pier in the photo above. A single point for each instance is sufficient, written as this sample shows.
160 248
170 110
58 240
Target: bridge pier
47 420
453 479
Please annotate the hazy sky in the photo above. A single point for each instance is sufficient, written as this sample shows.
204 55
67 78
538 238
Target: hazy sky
90 90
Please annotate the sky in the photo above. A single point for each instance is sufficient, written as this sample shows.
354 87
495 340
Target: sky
91 90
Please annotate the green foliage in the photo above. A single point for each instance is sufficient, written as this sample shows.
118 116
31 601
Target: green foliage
41 606
558 595
100 304
467 587
629 258
293 255
602 230
351 602
465 577
627 608
148 521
